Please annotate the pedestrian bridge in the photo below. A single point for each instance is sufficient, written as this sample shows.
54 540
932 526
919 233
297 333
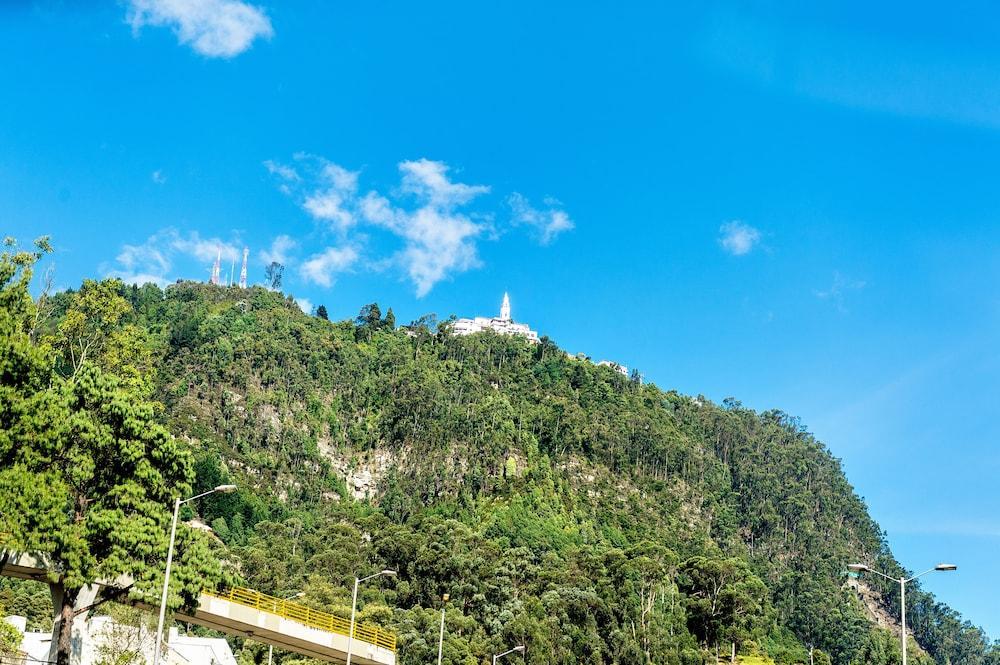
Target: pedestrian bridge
281 623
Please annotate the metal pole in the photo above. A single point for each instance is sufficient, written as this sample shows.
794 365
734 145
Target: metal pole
350 632
902 614
166 583
441 637
270 652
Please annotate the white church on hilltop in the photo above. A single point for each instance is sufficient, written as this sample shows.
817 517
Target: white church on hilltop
502 324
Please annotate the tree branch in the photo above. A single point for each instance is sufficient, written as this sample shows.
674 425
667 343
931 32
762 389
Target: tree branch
114 595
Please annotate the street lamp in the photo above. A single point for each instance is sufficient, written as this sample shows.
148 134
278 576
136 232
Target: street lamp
862 568
354 606
224 489
270 647
444 598
519 648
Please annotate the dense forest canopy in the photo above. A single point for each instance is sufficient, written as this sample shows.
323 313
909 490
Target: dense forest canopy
559 504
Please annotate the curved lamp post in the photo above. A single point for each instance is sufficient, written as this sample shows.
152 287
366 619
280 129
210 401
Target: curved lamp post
354 606
270 647
862 568
224 489
519 649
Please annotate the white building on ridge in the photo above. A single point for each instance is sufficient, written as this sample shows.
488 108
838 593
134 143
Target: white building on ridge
618 367
502 324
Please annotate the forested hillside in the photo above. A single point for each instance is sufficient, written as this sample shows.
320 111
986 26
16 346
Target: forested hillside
560 504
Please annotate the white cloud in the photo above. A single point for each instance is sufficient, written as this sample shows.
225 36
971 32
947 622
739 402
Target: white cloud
305 305
148 255
321 268
430 213
213 28
328 194
204 249
429 179
738 238
156 258
282 171
548 223
146 263
279 250
158 177
839 289
438 240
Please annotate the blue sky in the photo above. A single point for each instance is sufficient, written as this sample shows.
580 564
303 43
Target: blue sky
795 207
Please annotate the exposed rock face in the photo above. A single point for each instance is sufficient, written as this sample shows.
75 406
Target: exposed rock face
877 613
362 477
873 605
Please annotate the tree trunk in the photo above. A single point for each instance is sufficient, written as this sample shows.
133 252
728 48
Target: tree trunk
66 604
64 607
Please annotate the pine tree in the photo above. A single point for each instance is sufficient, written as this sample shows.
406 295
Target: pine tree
86 474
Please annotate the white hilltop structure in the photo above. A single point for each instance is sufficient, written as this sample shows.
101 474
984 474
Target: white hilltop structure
503 324
618 367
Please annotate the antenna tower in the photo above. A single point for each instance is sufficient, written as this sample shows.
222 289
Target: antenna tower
215 269
243 270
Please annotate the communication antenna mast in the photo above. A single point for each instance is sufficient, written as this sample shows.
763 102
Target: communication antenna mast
215 269
232 269
243 270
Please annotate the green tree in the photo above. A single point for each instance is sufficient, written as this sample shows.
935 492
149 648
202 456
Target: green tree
96 328
10 639
321 313
725 602
86 474
83 331
370 316
274 273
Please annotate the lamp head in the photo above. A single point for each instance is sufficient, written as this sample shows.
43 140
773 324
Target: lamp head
298 595
445 597
225 489
857 567
388 573
519 648
946 566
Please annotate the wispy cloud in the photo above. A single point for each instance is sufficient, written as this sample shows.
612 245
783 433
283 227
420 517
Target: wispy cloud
155 259
322 268
204 249
838 289
738 238
429 180
548 223
305 305
434 216
327 191
286 173
213 28
438 238
279 251
158 177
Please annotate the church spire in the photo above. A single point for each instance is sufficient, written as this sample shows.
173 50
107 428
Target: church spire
505 308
